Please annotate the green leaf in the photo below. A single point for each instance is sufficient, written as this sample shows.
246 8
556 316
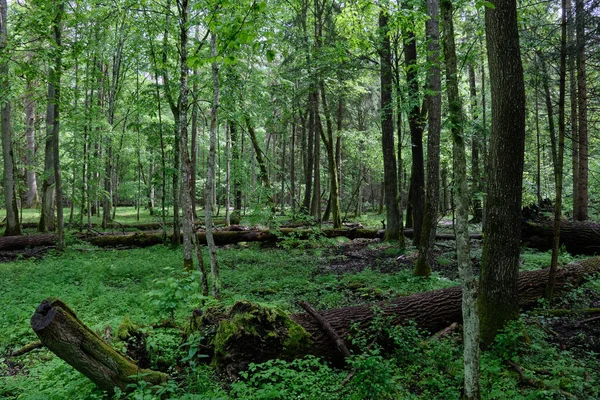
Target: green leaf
270 55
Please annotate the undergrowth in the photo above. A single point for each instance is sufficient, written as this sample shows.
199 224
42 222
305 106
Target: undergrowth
149 288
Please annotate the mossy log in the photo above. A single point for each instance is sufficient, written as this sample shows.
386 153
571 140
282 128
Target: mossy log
244 334
65 335
224 237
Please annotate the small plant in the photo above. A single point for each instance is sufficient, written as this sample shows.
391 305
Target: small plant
172 292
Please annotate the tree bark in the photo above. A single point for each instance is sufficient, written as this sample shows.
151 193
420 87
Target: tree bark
476 186
10 196
65 335
498 299
582 196
415 122
214 264
434 117
390 173
470 313
32 194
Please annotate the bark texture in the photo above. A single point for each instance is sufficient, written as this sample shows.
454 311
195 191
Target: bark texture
498 300
10 198
434 122
390 174
65 335
468 284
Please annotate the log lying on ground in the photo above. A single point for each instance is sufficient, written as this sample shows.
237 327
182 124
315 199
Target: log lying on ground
577 237
443 236
223 237
25 241
65 335
432 311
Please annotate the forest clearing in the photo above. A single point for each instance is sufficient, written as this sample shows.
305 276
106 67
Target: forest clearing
298 199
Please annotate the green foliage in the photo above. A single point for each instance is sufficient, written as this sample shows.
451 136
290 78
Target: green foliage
307 378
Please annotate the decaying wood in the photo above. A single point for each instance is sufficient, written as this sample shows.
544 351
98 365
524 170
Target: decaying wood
251 333
27 348
65 335
224 237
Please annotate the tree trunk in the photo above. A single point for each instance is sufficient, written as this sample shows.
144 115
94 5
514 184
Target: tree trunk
434 116
255 333
54 100
476 186
498 299
390 173
558 170
328 140
415 122
572 55
10 197
470 314
214 264
32 194
582 198
65 335
186 162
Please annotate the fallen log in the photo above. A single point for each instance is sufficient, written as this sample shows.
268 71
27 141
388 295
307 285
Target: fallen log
577 237
251 333
409 233
224 237
65 335
25 241
240 334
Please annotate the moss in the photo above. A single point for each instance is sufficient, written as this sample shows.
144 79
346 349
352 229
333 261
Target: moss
255 333
126 329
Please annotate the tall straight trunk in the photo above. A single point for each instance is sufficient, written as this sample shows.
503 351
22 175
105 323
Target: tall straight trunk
186 163
415 122
194 143
498 295
228 174
550 112
293 164
32 194
572 56
538 175
400 163
461 195
328 140
54 101
476 187
10 197
212 248
390 174
308 170
558 166
582 197
176 237
315 206
235 156
434 116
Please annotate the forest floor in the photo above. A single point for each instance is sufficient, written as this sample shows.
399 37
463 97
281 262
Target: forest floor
540 356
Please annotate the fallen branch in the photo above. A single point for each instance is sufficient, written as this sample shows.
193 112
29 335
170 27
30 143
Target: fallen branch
339 342
27 348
